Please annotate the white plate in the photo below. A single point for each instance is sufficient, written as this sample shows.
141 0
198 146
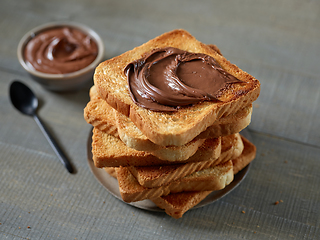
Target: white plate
111 184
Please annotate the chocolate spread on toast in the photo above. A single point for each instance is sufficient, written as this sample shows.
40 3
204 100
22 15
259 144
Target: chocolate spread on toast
167 79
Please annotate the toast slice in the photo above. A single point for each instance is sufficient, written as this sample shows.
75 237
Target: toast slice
177 204
155 176
102 116
110 151
174 204
247 155
99 114
180 127
209 179
111 171
225 126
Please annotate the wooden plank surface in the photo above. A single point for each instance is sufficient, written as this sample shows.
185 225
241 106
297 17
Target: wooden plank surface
276 41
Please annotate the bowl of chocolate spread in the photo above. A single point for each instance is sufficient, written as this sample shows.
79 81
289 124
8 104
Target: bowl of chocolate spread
61 56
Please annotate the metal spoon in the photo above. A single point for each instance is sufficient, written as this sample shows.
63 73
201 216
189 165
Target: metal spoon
26 102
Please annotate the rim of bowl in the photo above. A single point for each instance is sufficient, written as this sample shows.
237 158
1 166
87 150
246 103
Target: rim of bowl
26 38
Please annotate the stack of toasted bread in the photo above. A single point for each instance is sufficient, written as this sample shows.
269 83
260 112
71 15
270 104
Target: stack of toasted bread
174 158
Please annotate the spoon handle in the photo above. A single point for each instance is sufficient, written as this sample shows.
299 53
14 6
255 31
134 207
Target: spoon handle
54 145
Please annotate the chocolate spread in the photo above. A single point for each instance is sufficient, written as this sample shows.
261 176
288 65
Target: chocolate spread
168 78
60 50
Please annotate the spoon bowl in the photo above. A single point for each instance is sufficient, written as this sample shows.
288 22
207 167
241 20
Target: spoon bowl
23 98
26 102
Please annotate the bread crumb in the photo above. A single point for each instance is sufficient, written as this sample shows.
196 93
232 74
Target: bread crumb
29 227
243 211
276 203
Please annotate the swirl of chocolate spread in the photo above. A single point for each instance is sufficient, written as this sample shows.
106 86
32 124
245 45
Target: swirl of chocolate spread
60 50
167 79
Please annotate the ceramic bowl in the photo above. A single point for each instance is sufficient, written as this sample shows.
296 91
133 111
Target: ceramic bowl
68 81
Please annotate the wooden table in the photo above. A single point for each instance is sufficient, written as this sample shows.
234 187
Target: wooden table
275 41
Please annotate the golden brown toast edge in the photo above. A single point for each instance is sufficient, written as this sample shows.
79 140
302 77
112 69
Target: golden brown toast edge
215 178
102 116
155 176
99 114
109 151
240 97
248 154
177 204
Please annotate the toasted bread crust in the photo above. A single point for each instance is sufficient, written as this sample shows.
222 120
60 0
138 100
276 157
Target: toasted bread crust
109 151
176 204
215 178
111 171
102 116
179 127
155 176
247 155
